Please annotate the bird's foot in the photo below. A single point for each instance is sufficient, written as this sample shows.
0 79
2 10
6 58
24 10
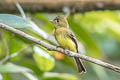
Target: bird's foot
66 51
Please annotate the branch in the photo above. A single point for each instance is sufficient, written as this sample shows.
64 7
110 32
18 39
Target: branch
54 48
58 5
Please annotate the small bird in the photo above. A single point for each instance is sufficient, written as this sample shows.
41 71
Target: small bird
66 38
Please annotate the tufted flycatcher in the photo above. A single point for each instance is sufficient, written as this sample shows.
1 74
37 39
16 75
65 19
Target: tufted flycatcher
66 38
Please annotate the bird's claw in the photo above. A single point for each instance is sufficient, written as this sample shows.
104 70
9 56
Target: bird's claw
66 51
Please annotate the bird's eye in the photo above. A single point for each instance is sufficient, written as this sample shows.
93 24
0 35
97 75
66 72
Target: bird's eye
57 20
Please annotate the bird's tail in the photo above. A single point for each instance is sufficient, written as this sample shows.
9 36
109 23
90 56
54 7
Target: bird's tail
80 66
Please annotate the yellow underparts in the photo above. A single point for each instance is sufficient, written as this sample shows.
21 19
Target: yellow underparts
64 40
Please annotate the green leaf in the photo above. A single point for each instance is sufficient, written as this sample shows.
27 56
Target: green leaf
14 21
13 48
101 22
59 76
5 76
12 68
44 61
13 40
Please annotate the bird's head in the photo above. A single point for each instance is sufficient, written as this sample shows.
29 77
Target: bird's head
60 21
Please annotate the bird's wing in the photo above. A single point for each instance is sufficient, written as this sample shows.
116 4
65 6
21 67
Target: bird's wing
71 35
80 66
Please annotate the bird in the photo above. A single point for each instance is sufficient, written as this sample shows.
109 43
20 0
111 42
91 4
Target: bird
66 38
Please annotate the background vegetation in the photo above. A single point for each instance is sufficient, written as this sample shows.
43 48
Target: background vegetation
97 31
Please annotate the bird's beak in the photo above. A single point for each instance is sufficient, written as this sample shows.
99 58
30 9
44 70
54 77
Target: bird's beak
52 21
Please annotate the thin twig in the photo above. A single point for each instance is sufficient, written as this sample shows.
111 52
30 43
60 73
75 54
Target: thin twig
20 51
34 26
7 50
21 10
15 54
54 48
4 59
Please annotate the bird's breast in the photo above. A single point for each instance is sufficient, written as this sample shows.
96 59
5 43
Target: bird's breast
65 41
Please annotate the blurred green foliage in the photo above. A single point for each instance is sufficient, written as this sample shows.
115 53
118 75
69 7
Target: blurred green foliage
97 31
44 61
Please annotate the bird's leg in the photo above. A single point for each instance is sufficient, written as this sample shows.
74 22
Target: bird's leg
66 50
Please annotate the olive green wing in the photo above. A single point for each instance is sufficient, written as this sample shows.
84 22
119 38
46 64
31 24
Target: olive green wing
72 36
80 66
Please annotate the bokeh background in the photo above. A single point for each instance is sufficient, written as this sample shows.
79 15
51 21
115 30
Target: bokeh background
97 31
